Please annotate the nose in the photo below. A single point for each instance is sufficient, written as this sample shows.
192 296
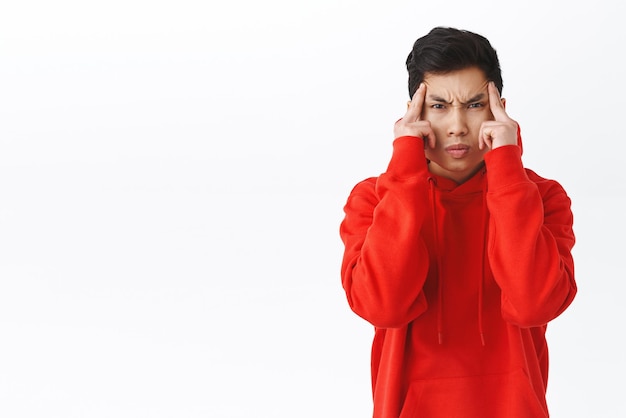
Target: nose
457 122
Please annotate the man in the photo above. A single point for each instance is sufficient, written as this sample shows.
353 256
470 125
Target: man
457 254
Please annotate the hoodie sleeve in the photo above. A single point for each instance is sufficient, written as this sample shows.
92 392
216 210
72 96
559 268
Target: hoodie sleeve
386 262
530 241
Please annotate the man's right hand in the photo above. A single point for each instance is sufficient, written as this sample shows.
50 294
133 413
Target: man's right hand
412 124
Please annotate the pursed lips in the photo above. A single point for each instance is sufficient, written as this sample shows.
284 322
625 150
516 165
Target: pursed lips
457 150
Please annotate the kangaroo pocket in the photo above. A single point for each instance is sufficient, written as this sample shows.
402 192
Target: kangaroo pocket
506 395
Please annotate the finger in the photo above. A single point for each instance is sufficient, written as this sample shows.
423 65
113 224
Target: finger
485 137
429 138
414 112
485 141
495 103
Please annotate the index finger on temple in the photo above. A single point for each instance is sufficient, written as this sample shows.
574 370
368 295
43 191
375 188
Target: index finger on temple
414 111
495 103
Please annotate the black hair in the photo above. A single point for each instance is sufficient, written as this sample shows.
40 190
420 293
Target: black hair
445 49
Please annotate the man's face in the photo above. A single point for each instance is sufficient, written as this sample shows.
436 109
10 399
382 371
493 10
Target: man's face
456 104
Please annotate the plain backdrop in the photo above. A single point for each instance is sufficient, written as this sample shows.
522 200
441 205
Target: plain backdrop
172 178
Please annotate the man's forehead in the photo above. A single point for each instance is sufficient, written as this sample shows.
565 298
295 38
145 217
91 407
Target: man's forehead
461 84
456 91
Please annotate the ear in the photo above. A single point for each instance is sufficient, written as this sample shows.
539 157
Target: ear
408 104
503 100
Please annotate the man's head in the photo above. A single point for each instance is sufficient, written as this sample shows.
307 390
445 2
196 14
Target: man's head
457 110
444 50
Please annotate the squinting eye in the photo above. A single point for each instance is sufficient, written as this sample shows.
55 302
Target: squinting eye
475 105
437 106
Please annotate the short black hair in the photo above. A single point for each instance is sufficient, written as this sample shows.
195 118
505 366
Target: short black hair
446 49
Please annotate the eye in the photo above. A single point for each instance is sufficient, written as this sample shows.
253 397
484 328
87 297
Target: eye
437 106
476 105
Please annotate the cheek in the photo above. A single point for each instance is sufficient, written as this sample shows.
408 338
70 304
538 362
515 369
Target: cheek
474 124
436 123
477 119
485 116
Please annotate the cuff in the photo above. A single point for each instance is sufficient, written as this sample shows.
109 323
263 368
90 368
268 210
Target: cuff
408 158
504 167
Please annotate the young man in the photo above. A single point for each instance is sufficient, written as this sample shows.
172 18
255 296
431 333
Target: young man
457 254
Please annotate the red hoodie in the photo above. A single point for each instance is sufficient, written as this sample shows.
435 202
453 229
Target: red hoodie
459 282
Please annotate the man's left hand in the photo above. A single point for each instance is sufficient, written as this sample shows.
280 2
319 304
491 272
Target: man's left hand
500 131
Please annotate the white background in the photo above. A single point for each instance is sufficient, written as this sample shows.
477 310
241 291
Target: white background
172 177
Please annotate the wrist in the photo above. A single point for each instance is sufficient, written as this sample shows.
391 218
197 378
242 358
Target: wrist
408 158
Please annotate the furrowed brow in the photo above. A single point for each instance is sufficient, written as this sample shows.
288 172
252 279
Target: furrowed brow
438 99
476 98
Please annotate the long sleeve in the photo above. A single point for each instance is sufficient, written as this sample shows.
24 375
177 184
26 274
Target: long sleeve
386 262
530 240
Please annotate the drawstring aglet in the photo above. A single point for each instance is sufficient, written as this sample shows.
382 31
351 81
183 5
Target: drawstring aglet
440 335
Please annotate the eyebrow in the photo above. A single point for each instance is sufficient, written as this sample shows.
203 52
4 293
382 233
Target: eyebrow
476 98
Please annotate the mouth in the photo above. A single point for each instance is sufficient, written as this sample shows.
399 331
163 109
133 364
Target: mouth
458 150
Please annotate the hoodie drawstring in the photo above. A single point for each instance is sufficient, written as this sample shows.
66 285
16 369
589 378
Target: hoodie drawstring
482 263
432 183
